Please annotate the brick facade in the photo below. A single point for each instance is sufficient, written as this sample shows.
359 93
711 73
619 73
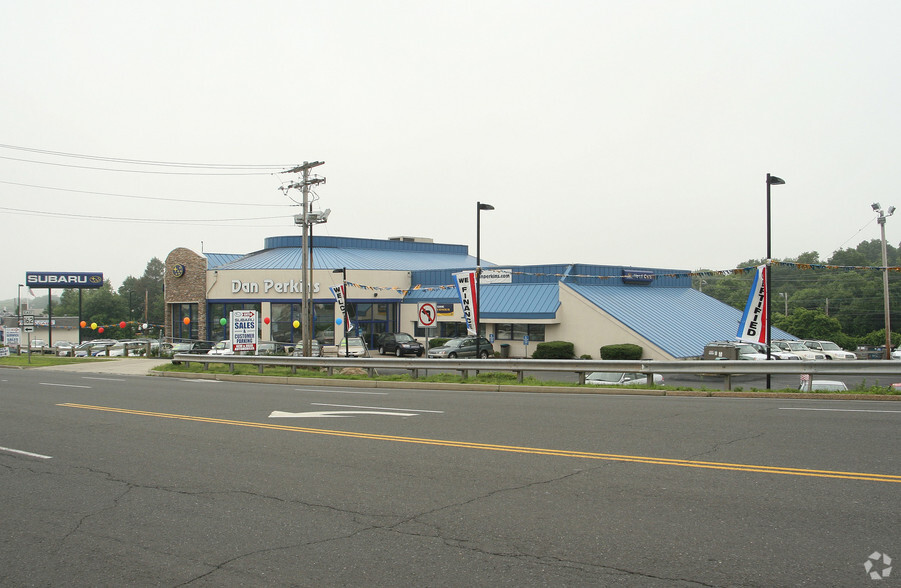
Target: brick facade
187 286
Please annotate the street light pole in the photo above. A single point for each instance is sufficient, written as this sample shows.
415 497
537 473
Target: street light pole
888 324
770 181
479 208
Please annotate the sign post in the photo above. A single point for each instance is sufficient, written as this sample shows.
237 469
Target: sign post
28 325
428 317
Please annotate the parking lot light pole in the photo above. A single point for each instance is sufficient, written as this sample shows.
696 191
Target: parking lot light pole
480 206
770 181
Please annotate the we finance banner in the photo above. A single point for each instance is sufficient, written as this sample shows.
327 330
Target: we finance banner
753 322
466 289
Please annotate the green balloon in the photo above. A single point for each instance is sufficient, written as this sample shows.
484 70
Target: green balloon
222 321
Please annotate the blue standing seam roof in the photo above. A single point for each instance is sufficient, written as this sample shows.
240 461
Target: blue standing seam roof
502 301
681 321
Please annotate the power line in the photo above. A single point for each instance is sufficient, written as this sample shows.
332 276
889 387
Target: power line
180 200
145 161
141 171
136 220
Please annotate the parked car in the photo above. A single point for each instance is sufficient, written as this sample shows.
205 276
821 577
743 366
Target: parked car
621 379
799 349
272 348
400 344
63 348
315 349
775 351
352 347
829 349
734 350
870 352
196 347
38 345
823 386
118 349
87 348
222 348
462 347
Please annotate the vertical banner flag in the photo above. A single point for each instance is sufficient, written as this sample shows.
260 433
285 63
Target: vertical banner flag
466 289
338 293
753 322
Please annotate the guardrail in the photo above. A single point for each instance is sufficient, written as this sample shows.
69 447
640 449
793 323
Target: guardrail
580 367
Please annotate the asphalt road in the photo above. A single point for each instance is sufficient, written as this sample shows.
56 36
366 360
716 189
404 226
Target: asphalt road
127 480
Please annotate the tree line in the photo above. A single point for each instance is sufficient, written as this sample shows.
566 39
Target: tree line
841 305
106 306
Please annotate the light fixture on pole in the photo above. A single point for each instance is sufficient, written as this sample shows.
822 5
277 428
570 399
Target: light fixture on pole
884 214
480 206
770 181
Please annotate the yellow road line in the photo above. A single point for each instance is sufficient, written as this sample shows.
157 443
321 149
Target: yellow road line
513 448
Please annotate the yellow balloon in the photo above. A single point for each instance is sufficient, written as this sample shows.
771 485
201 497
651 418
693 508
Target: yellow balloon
296 324
94 326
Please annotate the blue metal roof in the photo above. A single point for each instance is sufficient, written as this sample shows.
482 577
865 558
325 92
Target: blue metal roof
214 260
681 321
502 301
338 252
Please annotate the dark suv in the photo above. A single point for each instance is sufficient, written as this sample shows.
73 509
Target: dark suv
400 344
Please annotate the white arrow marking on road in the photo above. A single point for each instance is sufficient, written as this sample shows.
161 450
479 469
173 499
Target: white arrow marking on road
327 414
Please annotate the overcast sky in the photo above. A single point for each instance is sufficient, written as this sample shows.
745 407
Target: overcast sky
623 133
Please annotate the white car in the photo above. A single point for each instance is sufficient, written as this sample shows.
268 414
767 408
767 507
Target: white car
352 347
222 348
829 349
621 379
823 386
799 349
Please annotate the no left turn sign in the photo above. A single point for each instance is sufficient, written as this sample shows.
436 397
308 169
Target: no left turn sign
427 315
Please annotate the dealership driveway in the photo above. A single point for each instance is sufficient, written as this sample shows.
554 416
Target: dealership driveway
124 366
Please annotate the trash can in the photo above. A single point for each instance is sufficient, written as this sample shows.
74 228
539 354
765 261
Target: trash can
505 350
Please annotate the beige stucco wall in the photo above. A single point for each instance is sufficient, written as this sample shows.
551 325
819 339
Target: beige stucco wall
589 328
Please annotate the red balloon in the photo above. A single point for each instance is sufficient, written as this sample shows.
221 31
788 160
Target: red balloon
122 325
266 320
100 330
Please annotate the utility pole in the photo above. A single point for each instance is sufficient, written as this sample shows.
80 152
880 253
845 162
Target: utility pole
306 270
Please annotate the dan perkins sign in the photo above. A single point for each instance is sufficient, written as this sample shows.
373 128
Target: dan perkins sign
244 330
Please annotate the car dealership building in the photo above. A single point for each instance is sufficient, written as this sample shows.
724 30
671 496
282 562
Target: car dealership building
387 281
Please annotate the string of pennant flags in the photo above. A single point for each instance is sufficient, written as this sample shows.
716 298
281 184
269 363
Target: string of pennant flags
643 276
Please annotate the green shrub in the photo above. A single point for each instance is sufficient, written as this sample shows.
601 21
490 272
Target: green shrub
621 351
554 350
437 342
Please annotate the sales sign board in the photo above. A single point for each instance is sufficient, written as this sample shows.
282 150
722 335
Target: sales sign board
243 330
64 279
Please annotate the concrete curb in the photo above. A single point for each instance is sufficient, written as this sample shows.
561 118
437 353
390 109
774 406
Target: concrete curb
388 384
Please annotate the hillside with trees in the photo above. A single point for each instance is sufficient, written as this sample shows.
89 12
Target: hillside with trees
824 299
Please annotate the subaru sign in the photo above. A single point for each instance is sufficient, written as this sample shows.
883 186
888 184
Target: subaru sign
64 279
